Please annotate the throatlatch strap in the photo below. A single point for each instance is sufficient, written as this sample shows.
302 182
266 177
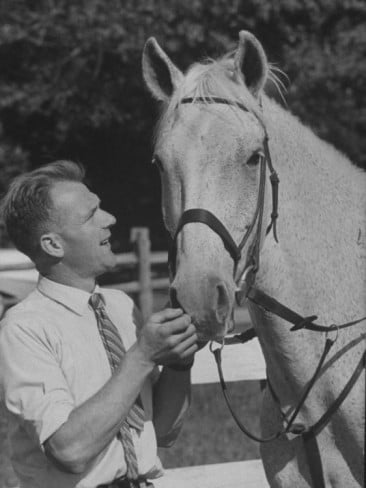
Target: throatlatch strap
274 183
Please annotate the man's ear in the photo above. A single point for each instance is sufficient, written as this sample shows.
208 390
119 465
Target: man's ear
51 244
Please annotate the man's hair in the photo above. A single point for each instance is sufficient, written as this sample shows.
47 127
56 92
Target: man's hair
27 205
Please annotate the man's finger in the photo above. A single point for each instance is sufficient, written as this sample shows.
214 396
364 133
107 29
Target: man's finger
166 315
181 336
190 351
185 344
181 324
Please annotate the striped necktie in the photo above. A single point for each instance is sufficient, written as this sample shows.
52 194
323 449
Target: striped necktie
115 350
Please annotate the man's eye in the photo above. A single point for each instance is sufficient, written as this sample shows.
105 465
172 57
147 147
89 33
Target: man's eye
156 161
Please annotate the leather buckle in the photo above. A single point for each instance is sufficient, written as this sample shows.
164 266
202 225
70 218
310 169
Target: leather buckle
297 429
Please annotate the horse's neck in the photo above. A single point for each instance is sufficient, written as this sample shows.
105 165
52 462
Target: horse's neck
312 172
321 223
316 267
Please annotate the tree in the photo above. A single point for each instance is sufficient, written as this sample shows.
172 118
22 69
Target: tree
71 85
13 161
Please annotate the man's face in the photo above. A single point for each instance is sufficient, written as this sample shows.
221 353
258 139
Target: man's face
84 229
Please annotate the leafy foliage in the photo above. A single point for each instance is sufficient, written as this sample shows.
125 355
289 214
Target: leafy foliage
71 86
13 161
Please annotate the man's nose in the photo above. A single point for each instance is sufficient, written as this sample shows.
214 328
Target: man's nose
109 219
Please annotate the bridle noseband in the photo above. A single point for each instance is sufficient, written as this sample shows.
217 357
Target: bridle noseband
203 216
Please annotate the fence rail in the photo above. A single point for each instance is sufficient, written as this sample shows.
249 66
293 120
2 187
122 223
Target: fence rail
240 363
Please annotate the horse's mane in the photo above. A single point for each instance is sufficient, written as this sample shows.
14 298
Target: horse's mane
216 78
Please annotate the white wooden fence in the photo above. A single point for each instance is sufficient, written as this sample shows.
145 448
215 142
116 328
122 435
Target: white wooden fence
244 362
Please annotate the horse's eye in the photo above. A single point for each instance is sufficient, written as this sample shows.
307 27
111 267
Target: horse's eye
255 159
157 162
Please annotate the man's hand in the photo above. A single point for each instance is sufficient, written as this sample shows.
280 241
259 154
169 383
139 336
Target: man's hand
169 337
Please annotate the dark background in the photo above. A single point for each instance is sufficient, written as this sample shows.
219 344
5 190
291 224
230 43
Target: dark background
71 84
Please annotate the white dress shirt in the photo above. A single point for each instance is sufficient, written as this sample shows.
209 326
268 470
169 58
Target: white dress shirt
51 360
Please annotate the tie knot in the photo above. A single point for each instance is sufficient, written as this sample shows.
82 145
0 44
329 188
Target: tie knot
96 301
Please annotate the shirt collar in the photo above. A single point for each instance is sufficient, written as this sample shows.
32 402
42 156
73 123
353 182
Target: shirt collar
70 297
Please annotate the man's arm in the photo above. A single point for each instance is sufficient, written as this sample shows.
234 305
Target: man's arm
172 391
172 396
92 425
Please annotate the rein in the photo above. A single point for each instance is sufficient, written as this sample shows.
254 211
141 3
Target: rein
292 427
247 291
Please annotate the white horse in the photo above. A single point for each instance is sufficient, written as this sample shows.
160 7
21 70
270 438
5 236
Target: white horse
209 147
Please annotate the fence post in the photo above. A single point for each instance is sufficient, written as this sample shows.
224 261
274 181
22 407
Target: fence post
140 236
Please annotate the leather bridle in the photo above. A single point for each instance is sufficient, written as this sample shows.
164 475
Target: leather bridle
204 216
247 291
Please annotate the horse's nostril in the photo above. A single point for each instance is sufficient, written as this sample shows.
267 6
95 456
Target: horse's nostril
174 298
223 302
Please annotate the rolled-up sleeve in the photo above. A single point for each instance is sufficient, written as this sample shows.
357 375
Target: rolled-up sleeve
33 386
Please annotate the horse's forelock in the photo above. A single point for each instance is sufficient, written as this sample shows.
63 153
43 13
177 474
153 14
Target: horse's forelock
208 79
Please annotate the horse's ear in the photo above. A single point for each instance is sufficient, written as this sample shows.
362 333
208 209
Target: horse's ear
160 74
251 62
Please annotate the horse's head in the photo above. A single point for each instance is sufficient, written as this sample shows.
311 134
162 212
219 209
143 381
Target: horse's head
209 154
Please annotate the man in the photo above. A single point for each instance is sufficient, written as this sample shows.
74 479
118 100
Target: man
74 377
